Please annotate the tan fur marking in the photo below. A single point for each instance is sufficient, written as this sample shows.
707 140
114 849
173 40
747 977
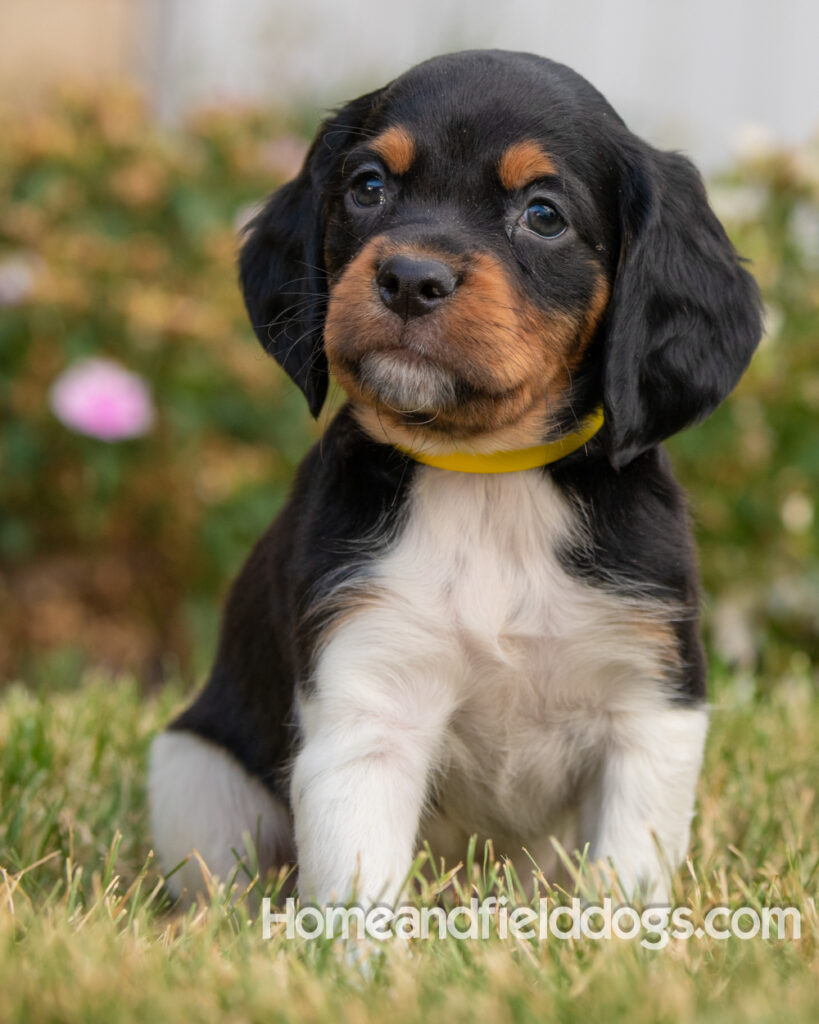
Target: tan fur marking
661 637
396 147
524 162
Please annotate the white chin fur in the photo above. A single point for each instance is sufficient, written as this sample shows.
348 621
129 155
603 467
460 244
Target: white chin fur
410 387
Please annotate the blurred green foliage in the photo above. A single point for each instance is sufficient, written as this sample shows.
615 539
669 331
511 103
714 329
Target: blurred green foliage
752 469
118 239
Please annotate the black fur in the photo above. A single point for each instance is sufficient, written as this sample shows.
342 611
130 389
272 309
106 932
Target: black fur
347 488
684 318
640 544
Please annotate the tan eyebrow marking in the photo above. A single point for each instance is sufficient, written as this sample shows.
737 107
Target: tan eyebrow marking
396 147
524 162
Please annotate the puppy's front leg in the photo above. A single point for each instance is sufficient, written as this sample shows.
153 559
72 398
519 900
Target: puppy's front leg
371 731
644 798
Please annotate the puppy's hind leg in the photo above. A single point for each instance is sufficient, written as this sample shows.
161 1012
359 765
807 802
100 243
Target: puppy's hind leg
201 799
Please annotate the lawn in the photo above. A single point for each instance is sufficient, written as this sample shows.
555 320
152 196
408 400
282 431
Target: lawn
86 933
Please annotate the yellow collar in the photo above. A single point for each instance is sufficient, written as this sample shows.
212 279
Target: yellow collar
511 462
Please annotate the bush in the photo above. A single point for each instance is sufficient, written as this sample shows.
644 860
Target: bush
753 468
118 240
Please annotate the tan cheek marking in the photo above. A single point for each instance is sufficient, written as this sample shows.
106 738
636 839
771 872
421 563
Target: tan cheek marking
512 339
396 147
351 294
357 322
524 162
511 350
523 352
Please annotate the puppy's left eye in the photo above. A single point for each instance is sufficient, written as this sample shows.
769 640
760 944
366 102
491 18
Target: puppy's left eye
368 190
544 220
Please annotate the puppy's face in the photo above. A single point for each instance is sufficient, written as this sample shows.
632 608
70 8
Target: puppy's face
481 252
468 247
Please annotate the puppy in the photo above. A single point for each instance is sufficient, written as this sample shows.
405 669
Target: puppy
478 610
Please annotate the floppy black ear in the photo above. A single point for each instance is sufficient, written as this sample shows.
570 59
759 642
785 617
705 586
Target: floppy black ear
684 317
281 265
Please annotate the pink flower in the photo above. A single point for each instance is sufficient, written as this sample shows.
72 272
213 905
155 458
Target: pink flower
100 398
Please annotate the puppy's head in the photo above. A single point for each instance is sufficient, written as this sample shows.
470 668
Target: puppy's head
482 253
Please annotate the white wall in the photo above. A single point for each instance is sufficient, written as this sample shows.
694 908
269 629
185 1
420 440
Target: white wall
684 73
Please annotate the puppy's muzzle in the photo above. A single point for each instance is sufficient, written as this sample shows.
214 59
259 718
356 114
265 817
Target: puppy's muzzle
412 287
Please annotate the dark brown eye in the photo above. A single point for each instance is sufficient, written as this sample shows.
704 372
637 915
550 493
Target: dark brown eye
368 190
544 220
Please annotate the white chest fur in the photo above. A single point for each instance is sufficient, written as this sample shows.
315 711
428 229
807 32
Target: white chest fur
476 647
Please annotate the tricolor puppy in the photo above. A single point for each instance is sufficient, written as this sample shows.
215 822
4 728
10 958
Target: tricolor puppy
478 610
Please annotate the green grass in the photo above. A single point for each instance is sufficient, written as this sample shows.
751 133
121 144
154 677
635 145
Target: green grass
86 933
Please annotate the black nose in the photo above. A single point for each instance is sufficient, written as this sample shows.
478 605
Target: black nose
412 287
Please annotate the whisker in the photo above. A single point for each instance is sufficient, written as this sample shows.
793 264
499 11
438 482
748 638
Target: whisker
310 266
291 310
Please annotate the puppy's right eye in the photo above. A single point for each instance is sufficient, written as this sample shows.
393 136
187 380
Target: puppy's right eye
368 190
